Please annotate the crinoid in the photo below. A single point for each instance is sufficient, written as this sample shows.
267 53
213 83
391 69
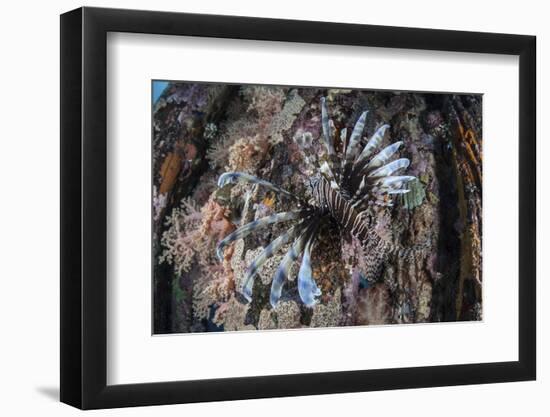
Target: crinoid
347 187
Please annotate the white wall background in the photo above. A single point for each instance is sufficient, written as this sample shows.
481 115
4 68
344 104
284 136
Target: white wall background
29 225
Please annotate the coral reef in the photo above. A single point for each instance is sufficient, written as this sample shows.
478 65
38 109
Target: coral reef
279 134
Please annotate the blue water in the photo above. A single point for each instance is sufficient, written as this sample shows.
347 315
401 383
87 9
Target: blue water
158 88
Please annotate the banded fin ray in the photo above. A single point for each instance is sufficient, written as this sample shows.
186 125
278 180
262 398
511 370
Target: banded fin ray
307 288
354 143
285 265
326 126
383 156
386 182
390 168
372 144
258 262
325 169
344 139
383 185
337 161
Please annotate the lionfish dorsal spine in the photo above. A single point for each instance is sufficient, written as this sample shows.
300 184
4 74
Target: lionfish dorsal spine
307 288
372 144
326 127
232 177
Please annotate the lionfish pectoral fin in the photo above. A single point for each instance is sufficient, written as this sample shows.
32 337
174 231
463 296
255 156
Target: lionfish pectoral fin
256 224
279 279
231 177
277 284
285 265
307 288
260 260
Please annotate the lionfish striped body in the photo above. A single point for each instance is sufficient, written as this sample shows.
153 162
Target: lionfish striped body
346 188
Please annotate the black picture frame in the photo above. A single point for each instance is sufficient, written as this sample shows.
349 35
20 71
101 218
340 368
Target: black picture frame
84 207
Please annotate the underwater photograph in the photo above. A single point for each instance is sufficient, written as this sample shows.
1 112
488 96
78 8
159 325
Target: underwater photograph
289 207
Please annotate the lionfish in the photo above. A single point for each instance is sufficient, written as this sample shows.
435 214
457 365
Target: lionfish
345 187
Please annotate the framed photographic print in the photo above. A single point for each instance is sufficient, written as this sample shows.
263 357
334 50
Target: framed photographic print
257 208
